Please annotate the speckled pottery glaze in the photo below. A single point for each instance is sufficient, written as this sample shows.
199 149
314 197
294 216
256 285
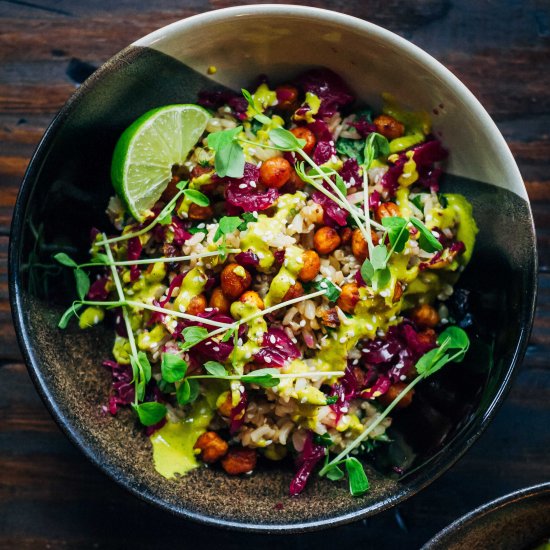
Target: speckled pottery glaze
65 192
518 521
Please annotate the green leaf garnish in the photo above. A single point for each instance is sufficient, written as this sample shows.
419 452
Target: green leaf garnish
352 148
226 226
150 413
267 378
215 368
397 232
340 184
166 219
358 481
65 259
70 312
335 473
196 197
325 440
378 257
285 140
187 391
260 117
172 367
375 146
332 291
331 399
192 336
229 157
367 271
82 283
427 240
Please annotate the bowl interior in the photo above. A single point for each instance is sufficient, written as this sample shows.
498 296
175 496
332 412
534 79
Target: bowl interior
67 187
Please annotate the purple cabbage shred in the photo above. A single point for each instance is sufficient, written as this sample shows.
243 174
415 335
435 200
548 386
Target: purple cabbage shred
277 349
307 460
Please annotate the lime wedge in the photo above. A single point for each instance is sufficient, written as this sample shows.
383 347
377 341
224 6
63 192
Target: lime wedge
147 150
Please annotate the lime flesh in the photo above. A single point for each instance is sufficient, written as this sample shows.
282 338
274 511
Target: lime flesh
148 149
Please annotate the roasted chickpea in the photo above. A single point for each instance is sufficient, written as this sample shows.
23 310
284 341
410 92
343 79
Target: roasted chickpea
348 297
235 279
308 135
310 267
253 298
219 300
239 461
425 316
388 126
359 246
196 305
387 209
387 398
326 240
397 292
197 212
226 406
345 234
329 318
287 96
294 183
275 172
212 447
295 291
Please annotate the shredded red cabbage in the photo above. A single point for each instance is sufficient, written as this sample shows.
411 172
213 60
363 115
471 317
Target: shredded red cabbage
323 152
243 194
350 172
305 463
320 130
329 88
134 252
277 349
98 289
333 215
123 388
247 259
236 416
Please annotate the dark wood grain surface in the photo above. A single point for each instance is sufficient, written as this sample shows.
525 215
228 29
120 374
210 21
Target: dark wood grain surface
50 496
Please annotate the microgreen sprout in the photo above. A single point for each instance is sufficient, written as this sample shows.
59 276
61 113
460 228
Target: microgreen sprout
453 343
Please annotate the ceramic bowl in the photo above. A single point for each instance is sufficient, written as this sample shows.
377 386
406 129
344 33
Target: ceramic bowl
518 521
67 186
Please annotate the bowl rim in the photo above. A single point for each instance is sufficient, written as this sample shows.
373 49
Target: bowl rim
465 521
449 455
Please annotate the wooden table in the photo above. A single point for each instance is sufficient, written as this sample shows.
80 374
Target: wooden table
50 496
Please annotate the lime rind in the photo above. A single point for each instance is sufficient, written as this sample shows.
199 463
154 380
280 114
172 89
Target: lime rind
148 149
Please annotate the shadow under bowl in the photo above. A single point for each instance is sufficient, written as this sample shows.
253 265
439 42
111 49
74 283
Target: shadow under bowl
66 189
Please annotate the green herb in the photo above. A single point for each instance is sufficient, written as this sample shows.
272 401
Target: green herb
192 336
196 197
141 369
166 387
334 473
340 184
418 201
215 368
247 217
226 226
285 140
194 230
267 378
150 413
453 345
352 148
100 259
375 146
229 157
331 399
427 240
64 259
332 291
397 232
166 219
69 313
258 115
187 391
172 367
325 440
358 481
82 283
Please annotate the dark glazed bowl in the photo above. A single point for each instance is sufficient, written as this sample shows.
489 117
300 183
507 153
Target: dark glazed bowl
66 189
518 521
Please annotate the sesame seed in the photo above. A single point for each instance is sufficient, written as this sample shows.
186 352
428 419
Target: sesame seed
267 359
